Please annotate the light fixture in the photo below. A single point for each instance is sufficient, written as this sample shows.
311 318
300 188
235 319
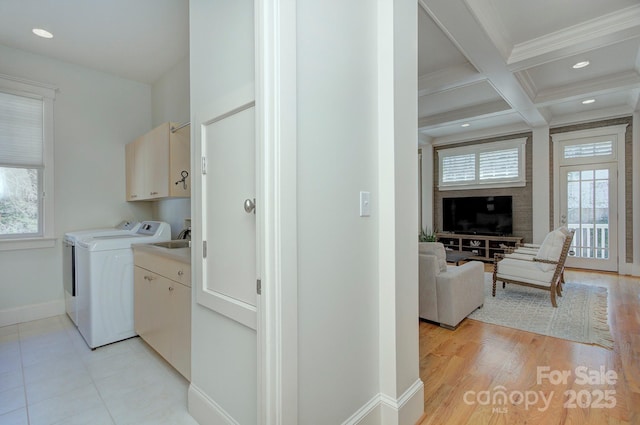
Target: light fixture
588 101
581 64
42 33
465 125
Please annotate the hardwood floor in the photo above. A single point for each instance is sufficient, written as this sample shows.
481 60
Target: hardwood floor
465 370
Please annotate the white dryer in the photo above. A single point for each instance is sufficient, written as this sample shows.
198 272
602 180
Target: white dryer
105 282
69 259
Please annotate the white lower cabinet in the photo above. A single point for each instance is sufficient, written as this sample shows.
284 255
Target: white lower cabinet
162 309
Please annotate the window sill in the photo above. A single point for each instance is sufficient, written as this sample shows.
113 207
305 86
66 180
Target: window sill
20 244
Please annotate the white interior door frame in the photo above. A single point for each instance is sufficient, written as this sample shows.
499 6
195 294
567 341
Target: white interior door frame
276 131
617 132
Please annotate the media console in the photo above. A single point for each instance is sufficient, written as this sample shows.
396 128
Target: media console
483 247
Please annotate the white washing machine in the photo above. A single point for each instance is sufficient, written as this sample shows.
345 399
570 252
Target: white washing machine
69 260
105 282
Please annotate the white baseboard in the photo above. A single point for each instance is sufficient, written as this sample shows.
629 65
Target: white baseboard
206 411
31 312
382 409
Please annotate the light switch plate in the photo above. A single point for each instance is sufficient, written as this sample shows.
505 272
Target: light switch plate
365 204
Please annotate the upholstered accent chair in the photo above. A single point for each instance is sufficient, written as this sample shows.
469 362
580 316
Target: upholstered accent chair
448 293
538 267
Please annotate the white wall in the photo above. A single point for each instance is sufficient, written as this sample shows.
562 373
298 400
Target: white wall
95 115
224 377
170 102
337 250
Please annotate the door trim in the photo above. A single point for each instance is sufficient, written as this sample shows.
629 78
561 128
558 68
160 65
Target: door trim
618 134
276 118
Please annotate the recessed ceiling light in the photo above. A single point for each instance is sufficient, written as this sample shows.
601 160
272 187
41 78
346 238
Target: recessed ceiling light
465 125
42 33
581 65
588 101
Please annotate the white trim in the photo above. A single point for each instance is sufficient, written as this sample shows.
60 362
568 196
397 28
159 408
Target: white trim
205 410
27 243
617 131
276 127
31 312
370 412
595 33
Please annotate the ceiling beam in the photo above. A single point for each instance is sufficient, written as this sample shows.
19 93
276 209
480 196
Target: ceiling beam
448 78
484 110
458 23
568 92
596 33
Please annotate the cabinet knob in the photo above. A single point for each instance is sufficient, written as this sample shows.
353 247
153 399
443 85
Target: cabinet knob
170 288
149 278
180 272
153 193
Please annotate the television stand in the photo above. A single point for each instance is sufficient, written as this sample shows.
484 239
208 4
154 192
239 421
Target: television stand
481 247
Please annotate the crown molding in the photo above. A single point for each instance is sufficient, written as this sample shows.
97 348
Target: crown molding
485 133
483 110
488 17
592 115
624 80
592 34
448 78
527 83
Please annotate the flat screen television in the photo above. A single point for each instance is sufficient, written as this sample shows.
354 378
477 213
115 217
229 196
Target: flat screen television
478 215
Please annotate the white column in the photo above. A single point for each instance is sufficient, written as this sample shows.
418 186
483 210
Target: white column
541 183
401 390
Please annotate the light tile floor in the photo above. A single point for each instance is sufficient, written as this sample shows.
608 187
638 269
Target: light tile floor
48 375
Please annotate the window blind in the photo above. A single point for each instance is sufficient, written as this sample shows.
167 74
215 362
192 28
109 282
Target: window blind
459 168
21 130
586 150
500 164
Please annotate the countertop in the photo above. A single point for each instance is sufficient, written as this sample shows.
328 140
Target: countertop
180 254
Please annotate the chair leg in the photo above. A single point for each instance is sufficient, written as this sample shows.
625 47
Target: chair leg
493 291
553 295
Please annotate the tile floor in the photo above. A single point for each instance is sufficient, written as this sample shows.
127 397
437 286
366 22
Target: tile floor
48 375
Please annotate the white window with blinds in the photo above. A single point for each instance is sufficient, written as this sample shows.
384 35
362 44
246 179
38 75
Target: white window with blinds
26 164
495 164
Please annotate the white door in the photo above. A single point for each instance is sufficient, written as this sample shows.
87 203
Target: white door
588 205
229 225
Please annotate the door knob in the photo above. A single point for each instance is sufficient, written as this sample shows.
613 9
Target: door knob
250 205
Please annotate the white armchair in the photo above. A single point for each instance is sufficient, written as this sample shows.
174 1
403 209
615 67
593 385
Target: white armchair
448 294
542 269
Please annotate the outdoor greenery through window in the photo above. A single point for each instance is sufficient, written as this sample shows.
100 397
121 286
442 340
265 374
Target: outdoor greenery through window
495 164
21 165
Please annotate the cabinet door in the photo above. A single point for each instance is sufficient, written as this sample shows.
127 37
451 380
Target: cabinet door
181 305
134 159
158 318
142 309
180 163
157 161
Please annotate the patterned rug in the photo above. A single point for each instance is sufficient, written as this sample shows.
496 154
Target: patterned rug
581 314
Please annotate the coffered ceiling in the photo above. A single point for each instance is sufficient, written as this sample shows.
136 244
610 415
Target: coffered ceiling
498 65
506 65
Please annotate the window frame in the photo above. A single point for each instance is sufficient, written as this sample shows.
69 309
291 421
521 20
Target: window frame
46 236
476 150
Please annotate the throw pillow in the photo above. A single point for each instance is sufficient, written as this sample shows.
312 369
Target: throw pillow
551 249
437 249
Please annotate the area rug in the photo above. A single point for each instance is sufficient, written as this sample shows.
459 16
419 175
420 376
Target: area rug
581 314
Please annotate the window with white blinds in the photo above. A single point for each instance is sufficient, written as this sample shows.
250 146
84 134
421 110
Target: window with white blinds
495 164
26 164
20 131
586 150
